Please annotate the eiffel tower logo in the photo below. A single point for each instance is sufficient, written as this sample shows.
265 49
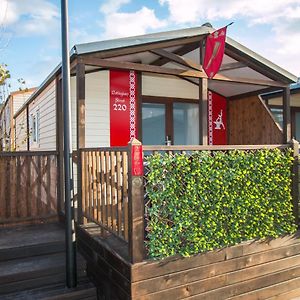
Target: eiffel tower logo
219 121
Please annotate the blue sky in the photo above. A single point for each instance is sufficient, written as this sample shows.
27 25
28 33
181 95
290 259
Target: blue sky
30 29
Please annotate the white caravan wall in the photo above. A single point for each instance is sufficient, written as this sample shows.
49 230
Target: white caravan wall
163 86
46 104
97 125
97 110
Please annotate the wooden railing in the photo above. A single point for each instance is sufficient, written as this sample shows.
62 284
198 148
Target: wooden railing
111 196
28 186
111 188
104 187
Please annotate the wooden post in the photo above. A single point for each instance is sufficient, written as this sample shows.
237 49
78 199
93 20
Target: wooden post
203 91
80 94
136 202
287 134
203 94
295 180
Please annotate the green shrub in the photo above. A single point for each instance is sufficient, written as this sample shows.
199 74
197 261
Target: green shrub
208 200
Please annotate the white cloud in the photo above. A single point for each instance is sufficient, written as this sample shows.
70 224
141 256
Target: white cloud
119 24
29 17
281 16
190 11
112 6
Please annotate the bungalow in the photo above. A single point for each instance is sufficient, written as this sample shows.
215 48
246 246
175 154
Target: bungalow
7 126
153 87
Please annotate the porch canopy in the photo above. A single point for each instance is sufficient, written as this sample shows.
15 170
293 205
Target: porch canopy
179 54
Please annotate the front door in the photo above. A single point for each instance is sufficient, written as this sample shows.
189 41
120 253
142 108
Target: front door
170 122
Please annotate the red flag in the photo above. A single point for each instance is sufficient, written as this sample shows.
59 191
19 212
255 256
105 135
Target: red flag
214 52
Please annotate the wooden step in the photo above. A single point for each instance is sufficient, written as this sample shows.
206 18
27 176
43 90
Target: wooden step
33 250
32 272
84 290
31 240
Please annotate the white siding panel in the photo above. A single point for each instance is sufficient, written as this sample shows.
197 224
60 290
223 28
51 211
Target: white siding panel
21 134
46 103
163 86
97 109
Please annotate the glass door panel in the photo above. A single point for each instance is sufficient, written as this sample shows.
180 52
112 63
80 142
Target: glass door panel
186 123
153 123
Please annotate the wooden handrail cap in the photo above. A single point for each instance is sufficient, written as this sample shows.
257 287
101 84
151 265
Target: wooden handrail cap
135 142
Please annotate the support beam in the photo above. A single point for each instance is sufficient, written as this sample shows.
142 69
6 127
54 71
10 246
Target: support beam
181 51
203 113
136 202
170 71
80 131
177 59
80 100
287 133
295 180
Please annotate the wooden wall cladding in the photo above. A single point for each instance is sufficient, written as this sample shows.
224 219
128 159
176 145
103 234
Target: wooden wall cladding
253 270
251 123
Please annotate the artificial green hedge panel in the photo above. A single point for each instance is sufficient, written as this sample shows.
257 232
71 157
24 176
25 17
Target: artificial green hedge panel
208 200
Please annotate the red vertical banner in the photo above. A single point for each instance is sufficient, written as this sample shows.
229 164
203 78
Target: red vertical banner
214 52
217 119
123 106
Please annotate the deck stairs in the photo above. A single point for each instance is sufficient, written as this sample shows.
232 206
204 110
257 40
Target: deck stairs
32 265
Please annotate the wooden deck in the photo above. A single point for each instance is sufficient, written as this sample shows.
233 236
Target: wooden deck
253 270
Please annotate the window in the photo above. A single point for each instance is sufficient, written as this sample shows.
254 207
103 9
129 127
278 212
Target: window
278 115
34 128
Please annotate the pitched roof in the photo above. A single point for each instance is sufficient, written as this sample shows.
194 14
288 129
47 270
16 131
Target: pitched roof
87 48
147 39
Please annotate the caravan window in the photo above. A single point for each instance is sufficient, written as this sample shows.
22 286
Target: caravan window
35 126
